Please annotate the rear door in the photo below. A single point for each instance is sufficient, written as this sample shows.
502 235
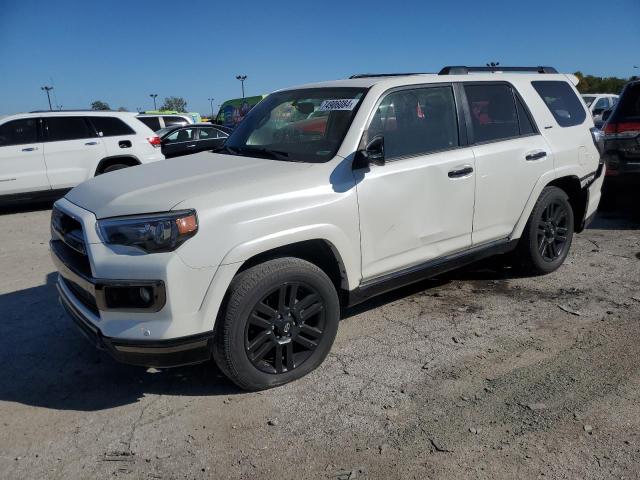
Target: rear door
179 142
117 137
510 156
22 167
72 150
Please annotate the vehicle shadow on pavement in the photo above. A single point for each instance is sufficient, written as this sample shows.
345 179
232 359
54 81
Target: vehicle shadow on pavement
47 363
26 207
619 208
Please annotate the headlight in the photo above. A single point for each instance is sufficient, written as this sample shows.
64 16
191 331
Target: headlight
160 232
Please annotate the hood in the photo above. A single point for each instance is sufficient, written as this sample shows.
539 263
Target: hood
160 186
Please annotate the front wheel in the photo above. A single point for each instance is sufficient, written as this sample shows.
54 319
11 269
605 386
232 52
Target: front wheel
280 321
548 234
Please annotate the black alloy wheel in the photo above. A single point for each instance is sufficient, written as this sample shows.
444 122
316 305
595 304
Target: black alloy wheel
284 328
552 231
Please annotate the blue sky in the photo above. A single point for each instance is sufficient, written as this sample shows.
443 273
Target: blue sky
120 51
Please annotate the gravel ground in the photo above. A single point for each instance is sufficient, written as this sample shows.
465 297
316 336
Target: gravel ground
477 374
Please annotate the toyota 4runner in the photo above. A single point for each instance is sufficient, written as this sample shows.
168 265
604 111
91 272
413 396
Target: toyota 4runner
325 195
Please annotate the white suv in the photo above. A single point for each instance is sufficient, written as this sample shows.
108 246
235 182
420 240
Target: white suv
44 154
248 254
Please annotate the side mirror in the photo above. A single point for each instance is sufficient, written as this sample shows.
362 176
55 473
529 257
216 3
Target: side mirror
373 153
606 114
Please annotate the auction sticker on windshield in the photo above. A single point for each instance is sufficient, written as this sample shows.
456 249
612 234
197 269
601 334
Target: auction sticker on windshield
338 104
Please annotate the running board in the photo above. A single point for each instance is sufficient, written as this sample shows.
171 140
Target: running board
407 276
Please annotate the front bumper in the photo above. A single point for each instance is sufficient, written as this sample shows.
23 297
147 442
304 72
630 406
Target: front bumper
153 353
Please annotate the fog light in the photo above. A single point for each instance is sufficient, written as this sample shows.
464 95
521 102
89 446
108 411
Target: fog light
146 295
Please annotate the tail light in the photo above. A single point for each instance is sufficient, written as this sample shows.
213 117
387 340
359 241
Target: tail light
598 139
155 141
622 129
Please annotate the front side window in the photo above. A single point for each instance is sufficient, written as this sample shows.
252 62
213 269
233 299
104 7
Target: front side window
493 112
19 132
416 121
67 128
110 126
284 125
561 101
181 135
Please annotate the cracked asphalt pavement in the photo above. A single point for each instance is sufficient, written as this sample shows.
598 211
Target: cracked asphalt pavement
476 374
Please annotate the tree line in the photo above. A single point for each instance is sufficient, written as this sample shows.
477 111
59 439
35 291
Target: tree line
178 104
593 84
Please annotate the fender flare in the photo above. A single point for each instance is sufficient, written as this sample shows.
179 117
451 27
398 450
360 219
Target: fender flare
345 252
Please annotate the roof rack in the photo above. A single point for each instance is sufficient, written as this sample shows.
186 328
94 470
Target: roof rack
368 75
462 70
71 110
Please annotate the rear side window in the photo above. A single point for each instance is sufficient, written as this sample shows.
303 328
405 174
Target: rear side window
152 122
110 126
19 132
67 128
493 112
208 133
562 101
417 121
173 121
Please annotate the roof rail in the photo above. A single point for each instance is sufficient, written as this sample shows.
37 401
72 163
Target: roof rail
368 75
72 110
462 70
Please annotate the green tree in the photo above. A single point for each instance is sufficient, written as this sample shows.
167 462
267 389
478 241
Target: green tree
100 105
593 84
178 104
122 109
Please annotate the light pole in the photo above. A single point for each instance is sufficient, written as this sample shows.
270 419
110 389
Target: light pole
211 102
48 89
242 78
154 95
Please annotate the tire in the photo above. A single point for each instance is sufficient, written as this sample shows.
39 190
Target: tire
547 236
262 341
114 167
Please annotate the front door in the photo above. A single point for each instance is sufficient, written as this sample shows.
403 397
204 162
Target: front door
22 167
418 205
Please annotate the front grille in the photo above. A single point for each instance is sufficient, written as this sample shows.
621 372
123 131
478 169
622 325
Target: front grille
70 234
86 298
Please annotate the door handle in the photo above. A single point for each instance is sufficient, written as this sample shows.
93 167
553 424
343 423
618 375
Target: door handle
461 172
535 156
29 149
91 143
191 146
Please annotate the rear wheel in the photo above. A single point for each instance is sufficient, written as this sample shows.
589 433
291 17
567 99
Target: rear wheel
279 324
548 234
113 168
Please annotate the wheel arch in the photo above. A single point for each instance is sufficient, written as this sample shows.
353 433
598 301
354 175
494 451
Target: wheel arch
130 160
570 184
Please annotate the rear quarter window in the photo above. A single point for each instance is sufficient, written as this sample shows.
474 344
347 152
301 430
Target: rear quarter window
152 122
111 126
562 102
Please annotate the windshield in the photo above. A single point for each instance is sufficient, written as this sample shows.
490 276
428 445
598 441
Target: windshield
306 125
588 99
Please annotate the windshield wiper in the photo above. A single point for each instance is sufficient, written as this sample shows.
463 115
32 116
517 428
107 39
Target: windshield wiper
275 154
